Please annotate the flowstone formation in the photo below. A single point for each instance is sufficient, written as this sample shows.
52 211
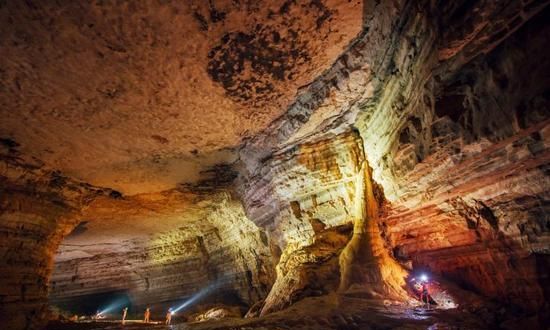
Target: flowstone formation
275 164
323 213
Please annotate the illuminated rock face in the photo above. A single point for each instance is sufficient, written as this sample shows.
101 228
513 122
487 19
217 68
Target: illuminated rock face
424 144
319 204
38 208
473 181
196 242
458 142
141 97
158 250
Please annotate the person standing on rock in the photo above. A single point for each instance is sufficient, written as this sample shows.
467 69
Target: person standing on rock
147 316
169 316
124 313
425 295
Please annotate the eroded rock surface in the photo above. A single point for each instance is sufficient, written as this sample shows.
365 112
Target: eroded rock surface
473 181
321 207
195 242
297 156
142 96
38 207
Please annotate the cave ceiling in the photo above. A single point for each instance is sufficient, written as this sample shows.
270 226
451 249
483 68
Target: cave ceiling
143 96
277 151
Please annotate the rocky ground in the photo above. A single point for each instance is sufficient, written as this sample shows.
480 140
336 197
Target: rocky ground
349 312
310 156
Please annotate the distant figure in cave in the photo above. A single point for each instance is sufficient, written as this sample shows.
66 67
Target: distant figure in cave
169 316
124 313
425 295
147 316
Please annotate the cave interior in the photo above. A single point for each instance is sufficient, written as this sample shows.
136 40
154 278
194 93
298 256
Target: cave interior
275 164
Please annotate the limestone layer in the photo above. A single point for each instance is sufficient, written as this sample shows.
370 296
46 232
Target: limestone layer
321 207
274 152
197 242
453 115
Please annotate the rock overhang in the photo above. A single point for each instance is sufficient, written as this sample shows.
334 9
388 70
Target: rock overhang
468 193
142 97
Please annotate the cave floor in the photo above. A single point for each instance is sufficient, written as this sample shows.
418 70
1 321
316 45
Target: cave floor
344 312
350 313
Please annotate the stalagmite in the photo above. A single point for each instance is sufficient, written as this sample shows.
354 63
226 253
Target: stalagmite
274 164
365 260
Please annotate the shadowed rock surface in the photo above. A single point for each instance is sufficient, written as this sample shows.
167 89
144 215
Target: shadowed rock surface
275 164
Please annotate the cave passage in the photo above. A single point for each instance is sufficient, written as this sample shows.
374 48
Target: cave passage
274 164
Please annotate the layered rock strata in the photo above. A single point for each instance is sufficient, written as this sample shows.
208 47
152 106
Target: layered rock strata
199 244
321 208
479 190
446 101
455 128
38 207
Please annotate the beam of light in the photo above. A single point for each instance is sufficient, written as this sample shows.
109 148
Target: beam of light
196 297
115 305
423 277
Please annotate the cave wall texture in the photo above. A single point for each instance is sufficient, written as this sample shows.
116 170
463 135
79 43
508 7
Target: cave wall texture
197 242
390 135
452 113
157 250
477 173
38 208
186 80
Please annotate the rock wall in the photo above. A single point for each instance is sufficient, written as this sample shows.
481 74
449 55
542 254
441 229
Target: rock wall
206 242
38 207
305 197
320 206
447 101
70 244
473 181
451 103
31 230
304 187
